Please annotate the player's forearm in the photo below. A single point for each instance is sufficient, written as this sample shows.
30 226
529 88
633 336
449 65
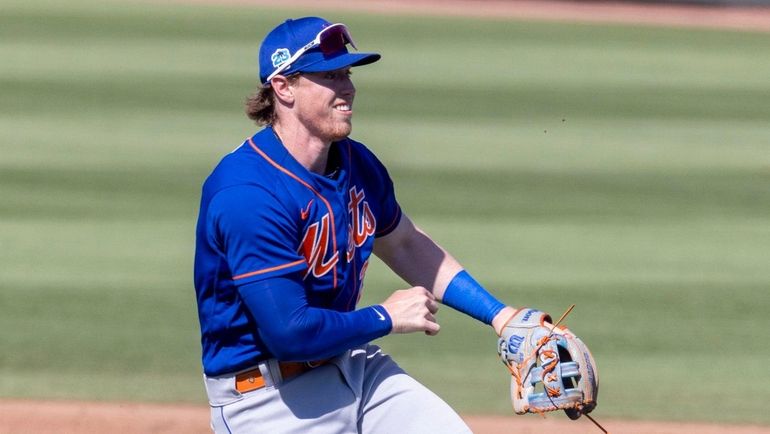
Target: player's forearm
316 333
294 331
424 263
416 258
466 295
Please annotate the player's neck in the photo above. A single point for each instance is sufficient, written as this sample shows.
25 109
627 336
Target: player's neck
310 151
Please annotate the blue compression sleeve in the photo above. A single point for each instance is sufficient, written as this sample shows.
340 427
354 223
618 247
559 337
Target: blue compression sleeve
467 296
292 330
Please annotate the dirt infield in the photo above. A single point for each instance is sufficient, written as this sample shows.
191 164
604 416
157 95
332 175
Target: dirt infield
56 417
737 18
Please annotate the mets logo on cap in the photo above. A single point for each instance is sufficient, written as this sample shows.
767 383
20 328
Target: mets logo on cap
280 56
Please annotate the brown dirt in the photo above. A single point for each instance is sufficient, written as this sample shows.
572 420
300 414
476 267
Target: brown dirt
738 18
75 417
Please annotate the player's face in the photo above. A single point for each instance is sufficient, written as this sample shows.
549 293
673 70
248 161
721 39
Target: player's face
324 103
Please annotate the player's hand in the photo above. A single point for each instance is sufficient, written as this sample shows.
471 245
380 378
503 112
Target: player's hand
413 310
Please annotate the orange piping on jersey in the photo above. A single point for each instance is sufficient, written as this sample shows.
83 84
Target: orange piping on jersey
396 219
267 270
309 187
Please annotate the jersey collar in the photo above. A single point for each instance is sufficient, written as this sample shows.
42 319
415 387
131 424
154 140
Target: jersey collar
268 142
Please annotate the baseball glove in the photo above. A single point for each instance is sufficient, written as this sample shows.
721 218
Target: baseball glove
551 369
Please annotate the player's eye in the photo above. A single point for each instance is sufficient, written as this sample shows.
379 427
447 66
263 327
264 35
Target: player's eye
334 75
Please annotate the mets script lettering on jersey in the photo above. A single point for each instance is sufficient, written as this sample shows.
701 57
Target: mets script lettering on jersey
362 221
315 246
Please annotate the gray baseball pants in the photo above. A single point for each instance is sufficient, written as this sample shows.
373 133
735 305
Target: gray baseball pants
362 391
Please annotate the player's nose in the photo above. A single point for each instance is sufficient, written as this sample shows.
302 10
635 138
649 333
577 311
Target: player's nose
347 88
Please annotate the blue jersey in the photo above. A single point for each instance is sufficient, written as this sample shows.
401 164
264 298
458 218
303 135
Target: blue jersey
263 215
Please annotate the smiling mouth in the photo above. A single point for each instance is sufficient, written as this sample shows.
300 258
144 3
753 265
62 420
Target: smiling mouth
343 107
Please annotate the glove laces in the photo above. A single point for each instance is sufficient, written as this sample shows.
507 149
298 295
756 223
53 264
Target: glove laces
549 364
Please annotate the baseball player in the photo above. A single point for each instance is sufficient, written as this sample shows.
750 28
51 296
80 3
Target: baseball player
287 224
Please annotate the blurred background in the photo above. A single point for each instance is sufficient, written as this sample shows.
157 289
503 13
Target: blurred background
695 2
618 166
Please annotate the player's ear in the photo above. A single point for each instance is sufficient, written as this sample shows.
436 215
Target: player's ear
283 88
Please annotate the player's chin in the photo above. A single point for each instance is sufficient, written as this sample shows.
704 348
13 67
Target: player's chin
341 130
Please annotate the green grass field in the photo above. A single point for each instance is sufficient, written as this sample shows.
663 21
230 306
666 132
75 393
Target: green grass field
624 169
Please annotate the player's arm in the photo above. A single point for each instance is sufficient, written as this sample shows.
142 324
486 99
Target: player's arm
416 258
420 261
258 236
295 331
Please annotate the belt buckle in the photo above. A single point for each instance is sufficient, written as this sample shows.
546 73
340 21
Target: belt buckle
249 381
315 363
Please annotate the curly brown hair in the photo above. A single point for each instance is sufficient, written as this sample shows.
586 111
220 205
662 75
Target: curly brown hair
260 106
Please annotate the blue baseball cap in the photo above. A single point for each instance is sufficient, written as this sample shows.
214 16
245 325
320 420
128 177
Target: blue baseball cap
309 44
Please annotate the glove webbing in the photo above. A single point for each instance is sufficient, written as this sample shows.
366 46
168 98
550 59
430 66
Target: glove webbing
516 372
547 368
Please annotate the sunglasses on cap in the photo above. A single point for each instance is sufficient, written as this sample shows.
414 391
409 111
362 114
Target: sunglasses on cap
330 40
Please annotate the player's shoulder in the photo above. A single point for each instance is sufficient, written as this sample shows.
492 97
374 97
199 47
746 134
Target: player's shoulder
360 153
242 166
233 169
231 190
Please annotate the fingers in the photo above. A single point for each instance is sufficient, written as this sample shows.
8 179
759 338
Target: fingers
431 303
432 306
413 310
431 327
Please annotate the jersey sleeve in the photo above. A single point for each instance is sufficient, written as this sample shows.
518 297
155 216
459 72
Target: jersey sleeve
255 233
295 331
387 210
